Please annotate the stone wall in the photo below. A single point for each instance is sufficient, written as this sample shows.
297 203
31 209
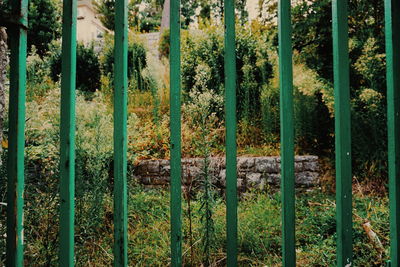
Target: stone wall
253 172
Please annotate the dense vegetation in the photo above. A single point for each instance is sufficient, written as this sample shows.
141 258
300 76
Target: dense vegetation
203 135
44 25
87 68
143 16
259 229
312 38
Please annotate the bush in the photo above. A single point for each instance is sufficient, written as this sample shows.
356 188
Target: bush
163 44
312 118
150 24
94 159
87 68
44 18
38 81
136 63
312 37
253 67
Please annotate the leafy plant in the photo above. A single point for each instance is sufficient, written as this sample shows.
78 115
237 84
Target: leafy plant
163 44
203 119
312 38
253 68
44 18
87 68
143 16
38 81
137 62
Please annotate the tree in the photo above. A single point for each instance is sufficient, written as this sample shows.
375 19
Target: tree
312 33
44 24
267 11
136 63
106 10
87 68
188 11
241 11
312 37
146 20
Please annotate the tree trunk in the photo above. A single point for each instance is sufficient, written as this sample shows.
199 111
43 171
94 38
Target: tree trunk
3 77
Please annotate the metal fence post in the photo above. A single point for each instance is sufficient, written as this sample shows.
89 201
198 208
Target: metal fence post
392 29
175 125
342 133
230 117
67 135
15 185
287 133
120 134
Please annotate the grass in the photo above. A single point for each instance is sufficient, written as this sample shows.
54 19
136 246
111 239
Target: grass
259 230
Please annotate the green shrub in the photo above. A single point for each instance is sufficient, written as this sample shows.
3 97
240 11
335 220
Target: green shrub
163 44
150 24
87 68
312 115
137 62
313 123
38 81
253 67
94 158
44 18
369 121
312 37
270 112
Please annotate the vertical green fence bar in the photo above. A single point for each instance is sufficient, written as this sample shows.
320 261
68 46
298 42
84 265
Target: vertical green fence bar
230 117
342 133
392 28
15 185
67 135
287 133
120 134
175 124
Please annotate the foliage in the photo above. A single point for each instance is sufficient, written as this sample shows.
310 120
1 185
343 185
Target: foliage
87 68
312 38
312 118
163 44
202 119
143 20
149 23
242 13
137 62
259 232
44 17
253 68
188 12
106 11
267 11
94 157
209 12
38 81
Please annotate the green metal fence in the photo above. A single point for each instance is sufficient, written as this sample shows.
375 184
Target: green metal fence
17 30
